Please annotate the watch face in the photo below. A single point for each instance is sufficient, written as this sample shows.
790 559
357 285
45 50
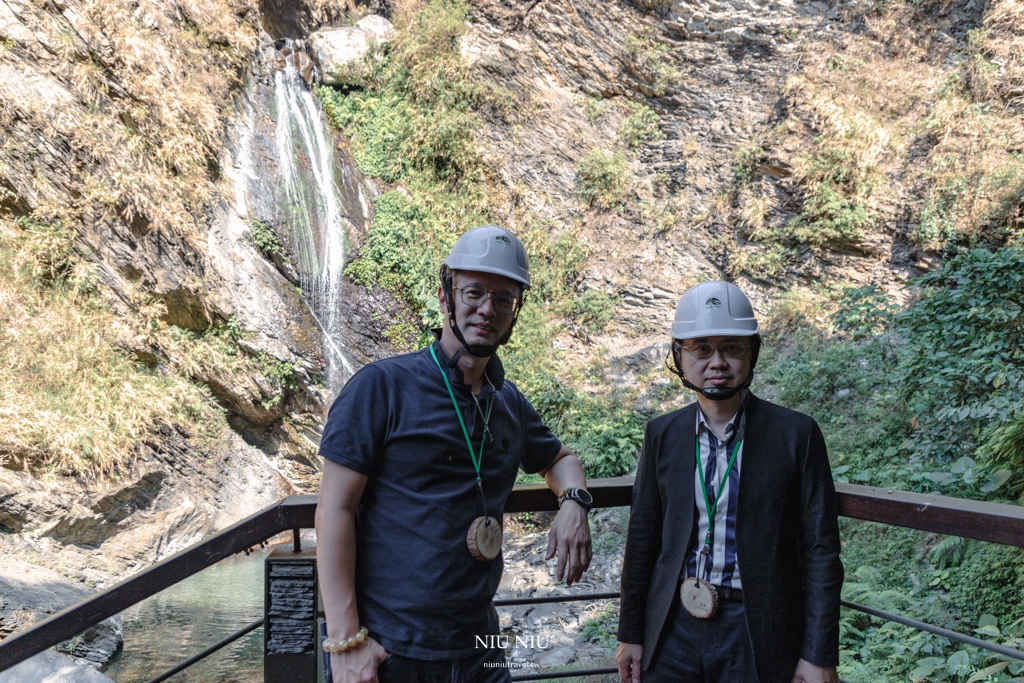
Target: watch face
585 497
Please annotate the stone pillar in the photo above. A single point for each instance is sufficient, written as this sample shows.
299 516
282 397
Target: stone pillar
290 615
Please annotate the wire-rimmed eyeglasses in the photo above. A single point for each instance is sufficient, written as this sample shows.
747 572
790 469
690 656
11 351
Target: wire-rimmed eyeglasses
477 296
735 350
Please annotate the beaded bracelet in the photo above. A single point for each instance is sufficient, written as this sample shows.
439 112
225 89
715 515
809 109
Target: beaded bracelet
342 645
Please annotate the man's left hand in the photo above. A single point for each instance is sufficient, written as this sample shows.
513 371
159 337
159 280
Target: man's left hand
569 537
809 673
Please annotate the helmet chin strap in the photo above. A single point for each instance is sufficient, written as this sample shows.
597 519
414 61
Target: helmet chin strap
720 393
478 350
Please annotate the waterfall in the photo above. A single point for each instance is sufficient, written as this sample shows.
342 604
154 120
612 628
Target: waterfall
313 226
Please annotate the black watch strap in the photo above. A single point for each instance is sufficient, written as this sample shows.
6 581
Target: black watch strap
580 496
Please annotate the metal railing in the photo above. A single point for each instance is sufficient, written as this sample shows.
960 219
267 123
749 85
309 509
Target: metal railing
992 522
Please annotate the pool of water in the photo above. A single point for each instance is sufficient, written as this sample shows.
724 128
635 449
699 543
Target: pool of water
189 617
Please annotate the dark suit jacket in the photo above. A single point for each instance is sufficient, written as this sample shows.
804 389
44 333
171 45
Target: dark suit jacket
787 537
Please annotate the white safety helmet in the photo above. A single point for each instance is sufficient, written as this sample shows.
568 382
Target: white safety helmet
714 309
485 249
490 249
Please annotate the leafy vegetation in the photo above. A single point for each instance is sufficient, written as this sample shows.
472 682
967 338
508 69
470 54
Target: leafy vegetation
595 308
413 123
595 108
746 159
262 236
642 124
601 629
833 210
602 179
924 399
650 59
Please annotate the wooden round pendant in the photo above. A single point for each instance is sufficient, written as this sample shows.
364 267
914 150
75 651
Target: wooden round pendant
484 538
699 597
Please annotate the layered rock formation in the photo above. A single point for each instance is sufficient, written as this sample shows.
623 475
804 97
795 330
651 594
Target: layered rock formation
168 238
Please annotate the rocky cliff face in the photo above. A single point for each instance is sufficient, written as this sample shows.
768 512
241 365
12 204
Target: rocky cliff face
147 134
766 113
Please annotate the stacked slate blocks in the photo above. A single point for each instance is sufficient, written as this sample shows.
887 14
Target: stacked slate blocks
291 616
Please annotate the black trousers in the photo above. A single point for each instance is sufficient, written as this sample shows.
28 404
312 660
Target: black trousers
712 650
490 666
487 667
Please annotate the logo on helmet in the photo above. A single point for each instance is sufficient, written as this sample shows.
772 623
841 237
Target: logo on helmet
713 303
502 238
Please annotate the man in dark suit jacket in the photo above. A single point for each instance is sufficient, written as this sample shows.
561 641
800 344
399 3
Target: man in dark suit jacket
690 534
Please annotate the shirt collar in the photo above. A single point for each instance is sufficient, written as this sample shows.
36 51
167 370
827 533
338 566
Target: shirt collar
494 370
730 428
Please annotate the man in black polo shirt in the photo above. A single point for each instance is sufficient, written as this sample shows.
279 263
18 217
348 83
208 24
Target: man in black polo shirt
420 453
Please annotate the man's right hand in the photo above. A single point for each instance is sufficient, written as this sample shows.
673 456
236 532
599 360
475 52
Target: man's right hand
628 657
358 664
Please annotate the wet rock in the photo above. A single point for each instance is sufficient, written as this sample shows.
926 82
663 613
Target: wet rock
285 18
51 667
29 593
97 645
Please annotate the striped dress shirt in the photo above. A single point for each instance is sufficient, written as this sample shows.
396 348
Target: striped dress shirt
722 569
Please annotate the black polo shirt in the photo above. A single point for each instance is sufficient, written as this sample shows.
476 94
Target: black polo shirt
419 591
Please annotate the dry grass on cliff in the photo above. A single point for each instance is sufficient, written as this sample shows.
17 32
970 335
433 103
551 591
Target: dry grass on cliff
138 93
905 124
110 110
72 400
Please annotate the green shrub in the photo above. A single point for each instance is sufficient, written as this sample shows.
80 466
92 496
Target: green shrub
769 262
863 312
261 236
877 650
1003 450
602 178
416 111
829 218
745 162
595 308
835 189
937 223
642 124
595 108
402 251
1005 186
610 446
602 628
963 372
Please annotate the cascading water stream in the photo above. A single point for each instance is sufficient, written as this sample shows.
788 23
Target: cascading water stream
314 227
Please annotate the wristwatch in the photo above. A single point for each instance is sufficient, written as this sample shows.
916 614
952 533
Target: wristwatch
580 496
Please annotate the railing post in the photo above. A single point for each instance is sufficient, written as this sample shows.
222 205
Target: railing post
290 631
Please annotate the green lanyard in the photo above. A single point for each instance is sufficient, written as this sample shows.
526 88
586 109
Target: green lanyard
477 459
712 508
